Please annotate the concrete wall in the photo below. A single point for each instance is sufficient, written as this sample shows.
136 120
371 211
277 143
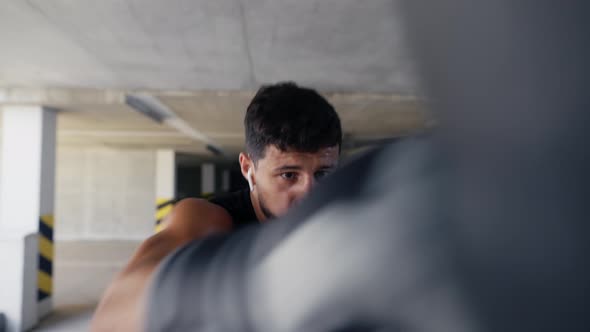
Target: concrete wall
0 163
104 193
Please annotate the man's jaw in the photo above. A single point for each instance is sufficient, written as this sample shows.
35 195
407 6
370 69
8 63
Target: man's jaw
264 209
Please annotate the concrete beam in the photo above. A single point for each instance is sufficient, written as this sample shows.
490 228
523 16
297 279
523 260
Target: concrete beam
56 97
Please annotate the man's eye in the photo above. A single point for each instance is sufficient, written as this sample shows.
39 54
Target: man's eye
321 174
289 175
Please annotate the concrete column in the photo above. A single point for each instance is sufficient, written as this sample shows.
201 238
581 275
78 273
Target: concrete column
225 180
165 185
27 196
18 280
207 179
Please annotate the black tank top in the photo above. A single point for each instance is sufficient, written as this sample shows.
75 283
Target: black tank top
239 206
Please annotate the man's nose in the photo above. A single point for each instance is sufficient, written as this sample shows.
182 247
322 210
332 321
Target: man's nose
306 184
310 183
303 188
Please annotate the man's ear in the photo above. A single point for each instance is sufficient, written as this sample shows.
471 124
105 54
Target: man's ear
247 169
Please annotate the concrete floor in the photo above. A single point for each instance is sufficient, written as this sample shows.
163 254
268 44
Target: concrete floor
82 270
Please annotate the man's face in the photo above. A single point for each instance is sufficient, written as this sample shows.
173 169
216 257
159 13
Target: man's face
282 178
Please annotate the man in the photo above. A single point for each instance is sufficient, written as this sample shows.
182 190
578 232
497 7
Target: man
293 138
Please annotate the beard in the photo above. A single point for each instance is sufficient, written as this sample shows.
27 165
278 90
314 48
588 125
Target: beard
264 207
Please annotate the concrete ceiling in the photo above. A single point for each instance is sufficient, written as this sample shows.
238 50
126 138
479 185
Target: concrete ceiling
333 45
204 60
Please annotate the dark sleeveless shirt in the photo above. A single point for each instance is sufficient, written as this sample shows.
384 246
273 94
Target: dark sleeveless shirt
239 206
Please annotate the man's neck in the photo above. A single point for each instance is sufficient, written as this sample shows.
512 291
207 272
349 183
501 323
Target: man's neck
257 210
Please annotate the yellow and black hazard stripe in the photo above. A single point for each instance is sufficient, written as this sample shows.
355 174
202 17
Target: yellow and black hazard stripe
45 271
207 195
163 208
165 205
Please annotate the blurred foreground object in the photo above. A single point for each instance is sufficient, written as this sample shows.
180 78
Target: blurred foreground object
510 83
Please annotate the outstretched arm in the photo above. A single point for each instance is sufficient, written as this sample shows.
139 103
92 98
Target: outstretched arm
121 306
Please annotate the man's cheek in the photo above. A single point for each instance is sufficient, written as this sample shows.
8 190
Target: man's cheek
282 206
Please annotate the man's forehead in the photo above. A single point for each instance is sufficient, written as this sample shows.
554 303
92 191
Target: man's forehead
274 154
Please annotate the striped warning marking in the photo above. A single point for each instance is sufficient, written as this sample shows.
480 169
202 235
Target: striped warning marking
45 269
163 208
165 205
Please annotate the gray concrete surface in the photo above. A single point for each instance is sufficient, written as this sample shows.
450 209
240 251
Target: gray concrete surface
82 270
104 194
337 45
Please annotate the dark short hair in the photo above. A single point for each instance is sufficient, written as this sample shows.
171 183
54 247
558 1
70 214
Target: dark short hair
291 118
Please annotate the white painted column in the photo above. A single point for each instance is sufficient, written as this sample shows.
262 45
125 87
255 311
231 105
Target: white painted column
18 280
165 185
207 179
27 194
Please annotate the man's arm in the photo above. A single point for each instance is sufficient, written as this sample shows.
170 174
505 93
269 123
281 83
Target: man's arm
121 306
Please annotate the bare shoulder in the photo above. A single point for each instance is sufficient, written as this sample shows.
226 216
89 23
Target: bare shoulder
195 217
191 219
200 206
